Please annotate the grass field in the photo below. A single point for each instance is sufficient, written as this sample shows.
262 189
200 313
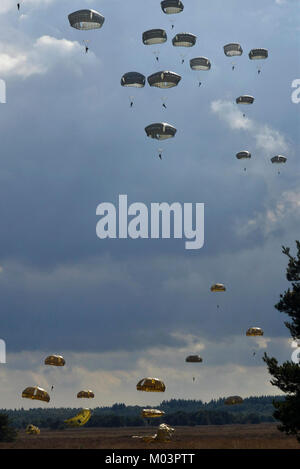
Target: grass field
262 436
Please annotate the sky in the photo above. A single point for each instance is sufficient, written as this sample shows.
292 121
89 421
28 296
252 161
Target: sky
119 310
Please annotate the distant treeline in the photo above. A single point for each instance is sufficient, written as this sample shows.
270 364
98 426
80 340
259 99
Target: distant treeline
177 412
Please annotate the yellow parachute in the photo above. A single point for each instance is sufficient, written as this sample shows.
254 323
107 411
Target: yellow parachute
151 385
233 400
32 430
152 413
35 392
80 419
88 394
218 287
55 360
254 331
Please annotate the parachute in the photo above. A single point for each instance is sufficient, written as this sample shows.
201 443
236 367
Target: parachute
80 419
164 79
218 287
86 19
32 430
184 40
171 6
55 360
278 159
233 49
87 394
133 79
245 99
194 359
36 393
200 63
243 155
151 385
154 36
254 331
258 54
152 413
164 433
233 400
160 131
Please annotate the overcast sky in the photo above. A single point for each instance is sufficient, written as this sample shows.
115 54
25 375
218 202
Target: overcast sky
121 310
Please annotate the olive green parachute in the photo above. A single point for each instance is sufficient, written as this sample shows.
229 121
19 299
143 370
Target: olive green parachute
80 419
254 331
154 36
278 159
36 393
243 155
135 79
218 287
245 99
32 430
87 394
258 54
152 413
164 79
184 40
55 360
171 6
233 49
233 400
194 359
200 63
151 385
86 19
160 131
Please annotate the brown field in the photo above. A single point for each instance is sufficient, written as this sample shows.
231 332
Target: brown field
262 436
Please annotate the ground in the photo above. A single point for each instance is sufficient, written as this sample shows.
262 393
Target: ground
262 436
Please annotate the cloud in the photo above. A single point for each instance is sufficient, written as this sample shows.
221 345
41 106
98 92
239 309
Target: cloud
267 140
43 55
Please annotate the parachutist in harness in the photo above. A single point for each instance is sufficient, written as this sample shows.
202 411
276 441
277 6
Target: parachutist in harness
164 106
86 49
18 5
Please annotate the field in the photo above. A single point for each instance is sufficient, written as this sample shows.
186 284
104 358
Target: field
262 436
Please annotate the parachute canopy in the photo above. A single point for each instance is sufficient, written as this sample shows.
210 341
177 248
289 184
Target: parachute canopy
55 360
200 63
160 131
86 19
258 54
164 79
233 49
171 6
151 385
242 155
245 99
32 430
254 331
88 394
80 419
233 400
193 359
278 159
133 79
152 413
218 287
35 392
184 40
154 36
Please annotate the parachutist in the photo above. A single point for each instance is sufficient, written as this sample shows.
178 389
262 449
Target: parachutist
244 115
244 169
131 104
200 83
18 6
86 49
258 71
182 61
160 156
157 58
233 67
164 106
52 387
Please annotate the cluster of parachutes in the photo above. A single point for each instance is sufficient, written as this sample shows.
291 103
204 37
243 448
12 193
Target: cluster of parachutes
40 394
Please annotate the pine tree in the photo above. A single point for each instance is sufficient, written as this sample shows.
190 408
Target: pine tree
7 432
287 376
